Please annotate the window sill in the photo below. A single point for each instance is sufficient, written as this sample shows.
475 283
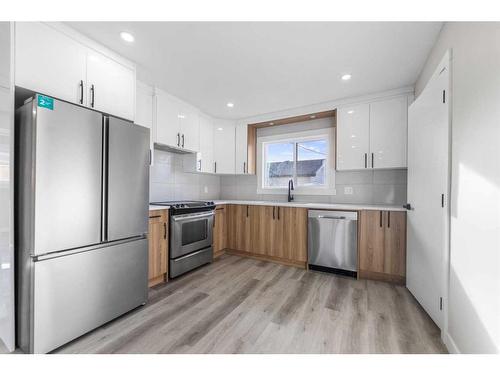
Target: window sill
298 191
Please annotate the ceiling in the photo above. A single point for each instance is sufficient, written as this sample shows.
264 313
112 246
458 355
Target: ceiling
272 66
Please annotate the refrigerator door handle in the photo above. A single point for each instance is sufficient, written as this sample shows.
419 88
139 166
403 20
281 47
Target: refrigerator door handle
104 178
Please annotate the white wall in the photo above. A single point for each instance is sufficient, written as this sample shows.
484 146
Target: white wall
474 286
6 194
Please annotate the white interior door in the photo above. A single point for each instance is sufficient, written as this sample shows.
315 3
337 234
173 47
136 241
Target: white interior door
428 187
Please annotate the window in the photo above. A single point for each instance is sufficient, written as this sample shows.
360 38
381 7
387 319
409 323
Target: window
302 157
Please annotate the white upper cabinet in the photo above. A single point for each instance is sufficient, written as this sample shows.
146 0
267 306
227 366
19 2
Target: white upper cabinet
167 121
372 136
49 62
144 105
205 157
111 86
144 109
177 123
241 149
224 147
388 133
189 128
353 137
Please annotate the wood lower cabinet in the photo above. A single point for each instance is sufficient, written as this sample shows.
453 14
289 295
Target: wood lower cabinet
269 232
238 227
158 247
382 245
294 233
220 230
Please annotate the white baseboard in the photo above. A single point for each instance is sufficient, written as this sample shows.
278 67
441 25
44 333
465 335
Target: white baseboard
450 344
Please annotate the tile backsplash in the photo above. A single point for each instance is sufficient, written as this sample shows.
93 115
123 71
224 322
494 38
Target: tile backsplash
168 181
368 187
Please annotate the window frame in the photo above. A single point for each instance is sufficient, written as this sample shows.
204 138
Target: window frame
317 134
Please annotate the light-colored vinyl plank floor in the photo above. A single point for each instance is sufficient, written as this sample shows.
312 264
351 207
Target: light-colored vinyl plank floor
242 305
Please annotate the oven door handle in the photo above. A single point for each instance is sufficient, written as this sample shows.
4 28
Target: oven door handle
192 216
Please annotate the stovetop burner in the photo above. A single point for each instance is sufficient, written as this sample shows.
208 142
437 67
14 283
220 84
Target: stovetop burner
186 205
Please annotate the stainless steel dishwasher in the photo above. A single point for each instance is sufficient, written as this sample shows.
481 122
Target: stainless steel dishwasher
333 241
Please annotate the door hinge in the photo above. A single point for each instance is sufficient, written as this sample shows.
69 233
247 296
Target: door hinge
444 96
442 200
441 303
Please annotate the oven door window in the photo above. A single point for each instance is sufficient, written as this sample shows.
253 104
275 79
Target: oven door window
194 231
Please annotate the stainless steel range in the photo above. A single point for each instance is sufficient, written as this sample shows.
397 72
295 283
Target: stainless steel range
191 233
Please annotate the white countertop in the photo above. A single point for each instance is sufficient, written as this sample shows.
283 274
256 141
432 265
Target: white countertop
153 207
322 206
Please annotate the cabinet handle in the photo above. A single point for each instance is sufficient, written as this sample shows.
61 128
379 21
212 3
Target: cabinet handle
178 139
183 141
244 167
366 160
199 165
372 161
247 211
92 96
380 219
273 211
388 219
278 212
165 231
215 167
81 91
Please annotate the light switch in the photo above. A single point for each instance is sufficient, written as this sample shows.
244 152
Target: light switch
348 190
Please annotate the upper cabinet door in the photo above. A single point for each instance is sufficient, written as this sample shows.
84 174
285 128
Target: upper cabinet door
224 135
388 133
205 157
241 149
353 134
49 62
144 105
111 86
190 128
167 120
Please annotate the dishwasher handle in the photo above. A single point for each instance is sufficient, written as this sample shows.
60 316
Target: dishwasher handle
333 217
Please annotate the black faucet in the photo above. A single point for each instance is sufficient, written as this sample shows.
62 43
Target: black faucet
290 187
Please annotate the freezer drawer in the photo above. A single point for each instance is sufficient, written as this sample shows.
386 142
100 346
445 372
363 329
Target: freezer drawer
76 293
333 241
191 261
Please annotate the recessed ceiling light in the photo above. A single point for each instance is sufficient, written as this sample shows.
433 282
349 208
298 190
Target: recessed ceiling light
312 116
127 36
181 116
230 105
220 129
346 77
271 123
350 112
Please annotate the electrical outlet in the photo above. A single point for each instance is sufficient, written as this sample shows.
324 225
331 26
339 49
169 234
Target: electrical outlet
348 190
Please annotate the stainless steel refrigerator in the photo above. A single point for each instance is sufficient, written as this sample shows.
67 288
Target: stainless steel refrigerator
81 221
